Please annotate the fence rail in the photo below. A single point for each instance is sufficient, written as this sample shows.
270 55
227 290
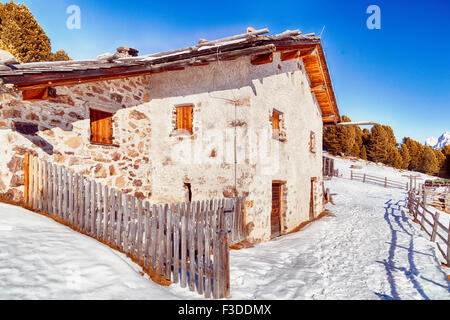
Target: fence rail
427 220
379 180
187 243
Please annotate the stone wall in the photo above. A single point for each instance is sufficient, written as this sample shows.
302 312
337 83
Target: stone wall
59 130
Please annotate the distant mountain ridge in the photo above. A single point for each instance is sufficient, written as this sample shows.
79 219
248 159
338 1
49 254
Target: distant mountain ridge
439 143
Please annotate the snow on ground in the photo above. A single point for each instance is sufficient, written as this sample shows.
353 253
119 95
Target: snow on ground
41 259
370 249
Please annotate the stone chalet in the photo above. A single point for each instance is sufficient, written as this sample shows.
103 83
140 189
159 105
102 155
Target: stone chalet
239 116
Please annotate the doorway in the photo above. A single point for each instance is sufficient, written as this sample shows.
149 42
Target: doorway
275 216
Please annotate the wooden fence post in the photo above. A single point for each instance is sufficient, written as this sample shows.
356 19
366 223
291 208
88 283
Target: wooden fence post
385 182
351 174
26 177
448 246
435 226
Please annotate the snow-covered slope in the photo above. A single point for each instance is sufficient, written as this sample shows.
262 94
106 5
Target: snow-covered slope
368 249
41 259
439 143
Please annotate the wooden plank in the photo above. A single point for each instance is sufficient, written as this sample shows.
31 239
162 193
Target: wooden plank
132 239
184 210
112 217
75 201
140 230
200 245
81 204
154 235
26 178
119 224
44 186
49 189
217 263
39 182
225 266
105 213
70 198
93 209
87 205
126 225
192 239
161 251
176 244
169 238
207 228
448 246
147 235
435 226
99 210
60 191
35 182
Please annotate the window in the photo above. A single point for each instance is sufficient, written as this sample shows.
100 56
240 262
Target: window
276 124
184 119
312 142
39 94
101 127
262 59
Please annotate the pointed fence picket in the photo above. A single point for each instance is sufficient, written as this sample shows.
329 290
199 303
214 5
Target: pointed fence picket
186 243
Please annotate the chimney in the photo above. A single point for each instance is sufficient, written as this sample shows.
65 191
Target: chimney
126 52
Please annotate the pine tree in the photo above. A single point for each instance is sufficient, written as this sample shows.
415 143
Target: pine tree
429 164
440 158
23 37
415 152
378 146
363 153
394 158
406 159
339 140
446 153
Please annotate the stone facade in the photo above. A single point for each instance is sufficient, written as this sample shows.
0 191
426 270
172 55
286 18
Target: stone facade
230 152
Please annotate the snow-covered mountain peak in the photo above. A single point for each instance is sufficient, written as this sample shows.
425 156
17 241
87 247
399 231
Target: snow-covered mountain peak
439 143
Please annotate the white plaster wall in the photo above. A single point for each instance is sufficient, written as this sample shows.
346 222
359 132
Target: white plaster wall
257 89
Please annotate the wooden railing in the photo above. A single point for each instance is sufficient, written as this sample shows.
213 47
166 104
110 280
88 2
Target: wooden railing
187 243
378 180
428 219
328 167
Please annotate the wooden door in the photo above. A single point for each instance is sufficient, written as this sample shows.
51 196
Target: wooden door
313 199
275 217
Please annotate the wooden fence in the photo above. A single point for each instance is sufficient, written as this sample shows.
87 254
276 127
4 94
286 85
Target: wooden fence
328 167
187 243
379 180
427 220
438 199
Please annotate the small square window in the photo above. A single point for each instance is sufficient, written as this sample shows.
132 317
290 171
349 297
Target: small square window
312 142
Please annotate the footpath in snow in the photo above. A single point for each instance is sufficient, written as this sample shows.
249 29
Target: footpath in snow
370 249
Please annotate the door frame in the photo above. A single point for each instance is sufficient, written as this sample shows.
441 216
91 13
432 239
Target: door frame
280 184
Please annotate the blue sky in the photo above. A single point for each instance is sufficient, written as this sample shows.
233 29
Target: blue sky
398 75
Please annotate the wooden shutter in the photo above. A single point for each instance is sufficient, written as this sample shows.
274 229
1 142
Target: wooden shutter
101 127
276 124
184 118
